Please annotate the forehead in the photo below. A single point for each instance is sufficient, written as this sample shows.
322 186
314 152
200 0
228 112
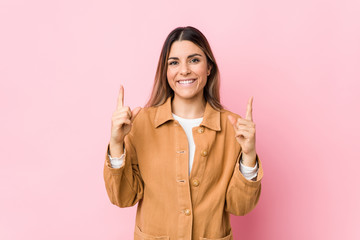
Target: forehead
184 48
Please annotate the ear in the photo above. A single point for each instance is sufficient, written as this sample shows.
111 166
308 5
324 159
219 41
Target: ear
209 69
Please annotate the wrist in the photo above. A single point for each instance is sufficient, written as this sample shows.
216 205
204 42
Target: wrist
248 159
115 143
116 149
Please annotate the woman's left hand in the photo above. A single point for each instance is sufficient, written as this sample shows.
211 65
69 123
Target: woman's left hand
245 133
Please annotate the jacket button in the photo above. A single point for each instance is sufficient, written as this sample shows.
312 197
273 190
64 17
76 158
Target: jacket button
195 182
204 153
200 130
187 212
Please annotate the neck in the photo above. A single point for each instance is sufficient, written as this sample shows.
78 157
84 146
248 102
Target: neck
189 108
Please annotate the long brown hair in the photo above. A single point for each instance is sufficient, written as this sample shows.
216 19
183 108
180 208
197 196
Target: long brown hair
162 90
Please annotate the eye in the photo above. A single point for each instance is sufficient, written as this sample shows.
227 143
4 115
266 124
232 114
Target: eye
173 63
195 60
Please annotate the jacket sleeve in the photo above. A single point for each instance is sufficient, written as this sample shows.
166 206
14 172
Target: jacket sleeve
124 185
242 194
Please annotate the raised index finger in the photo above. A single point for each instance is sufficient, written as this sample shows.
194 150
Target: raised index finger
120 102
249 109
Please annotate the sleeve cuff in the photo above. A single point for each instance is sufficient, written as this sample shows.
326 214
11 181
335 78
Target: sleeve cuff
249 172
255 181
116 162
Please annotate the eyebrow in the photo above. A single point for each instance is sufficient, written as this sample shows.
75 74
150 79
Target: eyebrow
190 56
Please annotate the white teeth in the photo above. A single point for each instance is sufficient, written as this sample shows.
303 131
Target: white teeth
186 81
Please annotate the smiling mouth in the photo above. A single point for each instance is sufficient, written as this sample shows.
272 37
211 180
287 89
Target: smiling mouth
186 81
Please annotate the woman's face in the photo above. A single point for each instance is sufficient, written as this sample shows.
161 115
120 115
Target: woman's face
187 70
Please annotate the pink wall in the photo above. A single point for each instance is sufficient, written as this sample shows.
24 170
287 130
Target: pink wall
61 64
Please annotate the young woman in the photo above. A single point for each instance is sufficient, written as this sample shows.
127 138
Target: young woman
183 158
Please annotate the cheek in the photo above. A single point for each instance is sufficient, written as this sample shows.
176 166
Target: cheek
202 70
170 78
170 74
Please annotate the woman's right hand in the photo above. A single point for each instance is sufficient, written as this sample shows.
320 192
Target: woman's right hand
121 121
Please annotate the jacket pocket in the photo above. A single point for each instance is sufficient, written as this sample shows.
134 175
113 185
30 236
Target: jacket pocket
139 235
228 237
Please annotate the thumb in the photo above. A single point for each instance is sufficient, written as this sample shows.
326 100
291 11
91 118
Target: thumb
134 113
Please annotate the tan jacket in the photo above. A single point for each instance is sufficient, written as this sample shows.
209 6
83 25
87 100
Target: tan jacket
155 174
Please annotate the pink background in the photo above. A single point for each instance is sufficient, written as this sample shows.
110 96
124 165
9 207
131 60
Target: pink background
61 65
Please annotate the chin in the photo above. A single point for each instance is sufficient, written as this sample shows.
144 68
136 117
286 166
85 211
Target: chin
187 96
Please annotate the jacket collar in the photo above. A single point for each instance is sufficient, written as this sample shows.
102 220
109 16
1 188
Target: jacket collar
211 117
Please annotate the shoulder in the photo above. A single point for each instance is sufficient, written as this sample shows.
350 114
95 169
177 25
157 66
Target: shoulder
224 113
144 114
145 118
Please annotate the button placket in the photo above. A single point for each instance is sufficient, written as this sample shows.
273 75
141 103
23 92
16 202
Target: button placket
203 142
183 182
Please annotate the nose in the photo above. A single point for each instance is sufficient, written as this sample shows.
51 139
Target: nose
184 70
